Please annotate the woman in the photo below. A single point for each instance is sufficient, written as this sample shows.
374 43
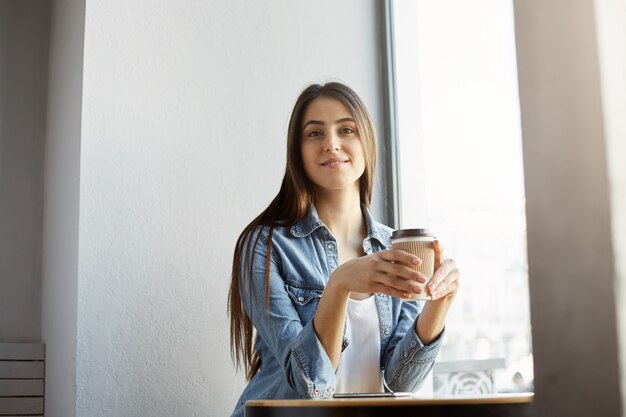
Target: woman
314 266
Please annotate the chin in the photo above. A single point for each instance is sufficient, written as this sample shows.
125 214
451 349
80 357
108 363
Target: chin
336 186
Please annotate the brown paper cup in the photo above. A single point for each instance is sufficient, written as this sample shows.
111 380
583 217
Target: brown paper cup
423 248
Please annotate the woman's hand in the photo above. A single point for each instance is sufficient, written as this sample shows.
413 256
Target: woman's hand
442 287
386 272
445 281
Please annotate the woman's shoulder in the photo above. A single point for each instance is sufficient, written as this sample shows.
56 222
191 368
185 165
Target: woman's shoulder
263 233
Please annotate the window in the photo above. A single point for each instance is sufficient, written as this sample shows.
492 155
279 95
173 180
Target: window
458 170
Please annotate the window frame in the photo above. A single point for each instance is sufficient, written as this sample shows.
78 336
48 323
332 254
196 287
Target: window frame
390 122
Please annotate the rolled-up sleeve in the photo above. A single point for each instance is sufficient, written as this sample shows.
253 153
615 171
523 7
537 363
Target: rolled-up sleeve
408 361
307 368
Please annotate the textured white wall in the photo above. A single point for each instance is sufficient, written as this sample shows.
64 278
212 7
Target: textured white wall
185 108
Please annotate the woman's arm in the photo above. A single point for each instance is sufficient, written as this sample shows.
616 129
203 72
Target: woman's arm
406 359
381 272
329 320
415 344
293 343
431 321
443 288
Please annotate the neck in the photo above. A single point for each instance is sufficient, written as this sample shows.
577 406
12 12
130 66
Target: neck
340 210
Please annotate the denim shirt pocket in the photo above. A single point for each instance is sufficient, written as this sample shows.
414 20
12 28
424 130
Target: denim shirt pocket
305 298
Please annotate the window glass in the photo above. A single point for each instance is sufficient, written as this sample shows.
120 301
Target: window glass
461 175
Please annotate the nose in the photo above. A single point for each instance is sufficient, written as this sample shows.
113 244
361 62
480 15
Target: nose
332 142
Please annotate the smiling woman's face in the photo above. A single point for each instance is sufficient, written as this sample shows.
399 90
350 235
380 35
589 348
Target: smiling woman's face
332 151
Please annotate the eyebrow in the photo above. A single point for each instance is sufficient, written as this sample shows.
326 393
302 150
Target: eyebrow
319 122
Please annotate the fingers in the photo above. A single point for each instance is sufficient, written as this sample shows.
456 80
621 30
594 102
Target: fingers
383 272
448 291
438 253
400 263
402 271
397 292
399 256
445 280
441 273
389 272
405 285
394 292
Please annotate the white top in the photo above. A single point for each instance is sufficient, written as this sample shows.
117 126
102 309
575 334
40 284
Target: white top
359 366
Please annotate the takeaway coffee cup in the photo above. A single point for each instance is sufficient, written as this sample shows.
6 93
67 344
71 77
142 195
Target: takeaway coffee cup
418 242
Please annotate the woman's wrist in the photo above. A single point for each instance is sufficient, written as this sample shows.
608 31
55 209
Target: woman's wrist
335 286
432 319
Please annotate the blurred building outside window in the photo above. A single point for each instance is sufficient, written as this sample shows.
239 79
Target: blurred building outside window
461 175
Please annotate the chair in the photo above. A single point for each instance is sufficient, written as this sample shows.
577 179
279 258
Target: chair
22 379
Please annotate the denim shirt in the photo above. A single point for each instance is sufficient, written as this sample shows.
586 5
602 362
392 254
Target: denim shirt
294 364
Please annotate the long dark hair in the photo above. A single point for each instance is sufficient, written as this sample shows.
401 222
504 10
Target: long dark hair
296 195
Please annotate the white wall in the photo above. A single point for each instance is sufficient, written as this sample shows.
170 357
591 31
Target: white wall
185 109
60 237
23 83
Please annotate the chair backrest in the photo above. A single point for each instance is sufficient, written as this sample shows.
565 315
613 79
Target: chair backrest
22 379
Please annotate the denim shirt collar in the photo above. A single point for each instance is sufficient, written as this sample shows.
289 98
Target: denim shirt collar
311 221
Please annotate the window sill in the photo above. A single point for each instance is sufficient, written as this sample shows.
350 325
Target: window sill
516 404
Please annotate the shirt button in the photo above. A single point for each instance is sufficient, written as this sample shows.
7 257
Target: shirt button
386 330
330 246
317 390
300 299
413 343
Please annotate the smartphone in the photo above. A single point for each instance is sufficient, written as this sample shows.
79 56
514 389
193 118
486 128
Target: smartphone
372 394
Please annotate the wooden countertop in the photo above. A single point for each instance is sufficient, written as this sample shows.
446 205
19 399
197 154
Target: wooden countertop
517 398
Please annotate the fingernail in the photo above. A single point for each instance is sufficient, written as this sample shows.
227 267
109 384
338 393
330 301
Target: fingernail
417 290
416 261
406 294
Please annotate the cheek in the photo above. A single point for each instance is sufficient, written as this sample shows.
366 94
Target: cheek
308 159
361 152
306 154
306 149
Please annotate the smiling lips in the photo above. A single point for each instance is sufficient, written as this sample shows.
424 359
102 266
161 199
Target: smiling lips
334 162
